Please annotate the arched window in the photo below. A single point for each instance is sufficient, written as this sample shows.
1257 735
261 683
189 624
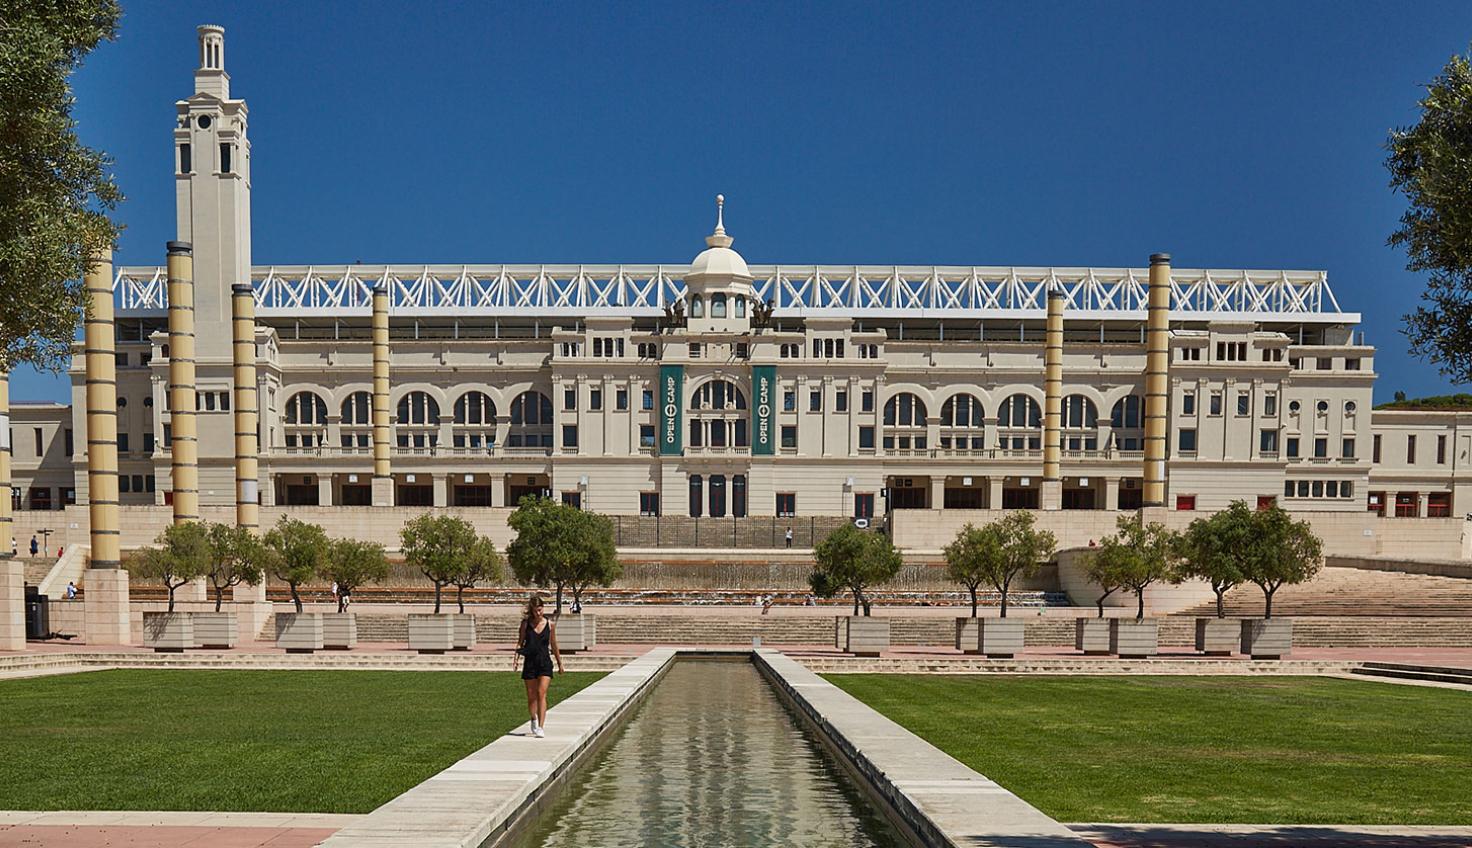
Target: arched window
475 421
904 423
1080 424
740 313
305 417
531 421
1019 420
697 307
718 306
418 420
1128 423
718 416
962 413
357 420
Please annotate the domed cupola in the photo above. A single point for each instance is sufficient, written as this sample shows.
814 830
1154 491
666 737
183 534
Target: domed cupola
718 284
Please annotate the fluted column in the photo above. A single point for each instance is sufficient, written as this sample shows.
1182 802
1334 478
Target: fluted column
1157 382
182 394
106 583
12 570
383 481
247 443
1052 486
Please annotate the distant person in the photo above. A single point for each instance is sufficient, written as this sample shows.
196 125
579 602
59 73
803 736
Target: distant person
757 601
577 607
71 591
335 597
767 604
344 597
810 601
59 549
35 546
536 643
788 537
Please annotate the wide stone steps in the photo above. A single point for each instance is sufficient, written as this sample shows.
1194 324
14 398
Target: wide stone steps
1402 671
1352 592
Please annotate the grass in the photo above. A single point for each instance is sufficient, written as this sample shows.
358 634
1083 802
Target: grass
282 741
1263 750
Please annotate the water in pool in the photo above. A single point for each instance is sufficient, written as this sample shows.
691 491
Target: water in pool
711 758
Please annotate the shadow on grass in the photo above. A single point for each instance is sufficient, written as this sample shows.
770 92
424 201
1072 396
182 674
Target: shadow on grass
1282 836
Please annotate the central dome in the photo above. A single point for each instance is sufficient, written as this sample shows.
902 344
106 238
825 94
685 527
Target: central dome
718 259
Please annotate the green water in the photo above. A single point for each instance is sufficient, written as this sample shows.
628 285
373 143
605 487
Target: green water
711 758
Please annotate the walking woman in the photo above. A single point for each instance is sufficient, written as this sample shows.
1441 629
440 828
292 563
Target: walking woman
536 642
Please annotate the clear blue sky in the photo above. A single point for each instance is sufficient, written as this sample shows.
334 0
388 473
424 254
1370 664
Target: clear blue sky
1231 135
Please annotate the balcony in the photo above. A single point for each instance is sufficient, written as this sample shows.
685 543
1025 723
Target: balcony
717 450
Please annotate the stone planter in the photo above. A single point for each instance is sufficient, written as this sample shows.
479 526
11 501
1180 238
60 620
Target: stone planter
216 629
576 632
1217 637
464 631
1267 638
431 633
1091 636
862 636
1132 639
339 631
299 632
168 632
968 635
1001 638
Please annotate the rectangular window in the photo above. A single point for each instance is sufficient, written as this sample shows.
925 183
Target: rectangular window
1441 450
1244 403
1321 448
137 482
866 438
1268 442
1410 450
649 503
123 442
186 159
840 401
40 445
1188 403
1352 363
209 401
1216 404
169 435
1331 488
595 399
148 443
573 499
786 504
225 159
789 401
743 350
1186 503
569 435
124 485
1325 363
569 398
1270 404
1347 449
70 446
646 399
1438 504
695 350
1288 488
1375 449
1293 447
789 436
224 401
621 399
866 401
646 435
815 400
1188 440
149 482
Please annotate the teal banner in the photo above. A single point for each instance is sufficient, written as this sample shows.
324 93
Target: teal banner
671 409
763 401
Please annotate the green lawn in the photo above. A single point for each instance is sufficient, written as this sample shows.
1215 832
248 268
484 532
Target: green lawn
287 741
1199 749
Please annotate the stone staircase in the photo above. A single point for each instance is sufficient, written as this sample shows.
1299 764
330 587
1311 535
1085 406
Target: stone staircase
1401 671
36 569
1355 592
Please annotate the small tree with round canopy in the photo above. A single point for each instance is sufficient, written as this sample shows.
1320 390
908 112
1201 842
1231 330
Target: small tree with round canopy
236 556
440 547
1140 554
297 552
853 560
1284 551
182 554
1215 549
482 562
352 563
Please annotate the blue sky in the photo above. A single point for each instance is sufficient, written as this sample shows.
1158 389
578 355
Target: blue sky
1229 134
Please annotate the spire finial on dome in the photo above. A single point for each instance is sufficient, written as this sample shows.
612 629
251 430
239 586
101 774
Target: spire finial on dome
719 237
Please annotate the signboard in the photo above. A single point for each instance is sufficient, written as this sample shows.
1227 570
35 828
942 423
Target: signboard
763 402
671 409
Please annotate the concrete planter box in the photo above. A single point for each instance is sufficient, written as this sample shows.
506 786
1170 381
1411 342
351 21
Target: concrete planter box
1091 636
464 631
168 632
1217 637
216 629
862 636
299 632
339 631
431 633
1267 639
1001 638
1132 639
968 635
576 632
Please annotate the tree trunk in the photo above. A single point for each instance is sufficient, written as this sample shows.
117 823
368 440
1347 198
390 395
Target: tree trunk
1004 586
1140 595
437 587
558 610
1100 602
219 596
1267 609
460 598
171 596
1221 607
973 602
296 597
856 601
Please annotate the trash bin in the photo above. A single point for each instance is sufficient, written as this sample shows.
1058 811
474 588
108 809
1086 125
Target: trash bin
38 616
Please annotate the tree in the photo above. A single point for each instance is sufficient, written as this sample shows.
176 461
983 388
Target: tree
1105 567
998 553
562 547
853 560
482 562
1431 164
182 554
1284 551
297 552
1138 555
236 556
1214 549
972 557
352 563
439 546
54 189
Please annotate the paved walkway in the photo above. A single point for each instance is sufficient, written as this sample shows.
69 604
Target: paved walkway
1271 836
168 829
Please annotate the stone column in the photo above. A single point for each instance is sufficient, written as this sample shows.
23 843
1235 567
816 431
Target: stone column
105 583
324 490
12 570
441 486
938 491
1157 374
383 481
994 492
247 410
1111 493
1051 496
182 394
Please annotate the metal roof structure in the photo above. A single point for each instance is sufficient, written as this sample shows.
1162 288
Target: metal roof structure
796 291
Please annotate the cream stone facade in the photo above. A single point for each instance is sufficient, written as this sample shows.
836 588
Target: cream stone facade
722 389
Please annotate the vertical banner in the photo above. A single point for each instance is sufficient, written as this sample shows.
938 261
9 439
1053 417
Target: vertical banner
671 409
764 396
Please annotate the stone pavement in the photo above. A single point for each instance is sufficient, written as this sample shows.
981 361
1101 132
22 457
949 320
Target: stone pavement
1272 836
167 829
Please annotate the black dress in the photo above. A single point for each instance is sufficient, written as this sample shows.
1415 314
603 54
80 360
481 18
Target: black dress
537 661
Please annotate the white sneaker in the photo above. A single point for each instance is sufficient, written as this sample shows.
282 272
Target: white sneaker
535 728
538 732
